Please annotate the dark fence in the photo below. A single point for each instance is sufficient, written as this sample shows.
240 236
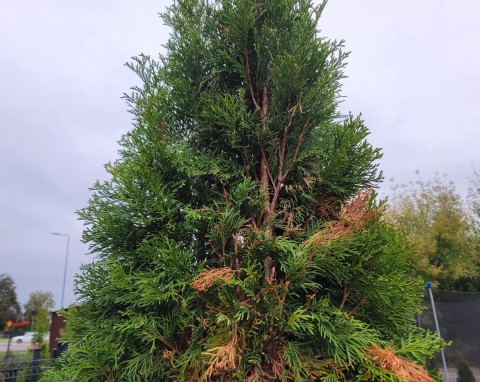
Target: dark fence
458 316
26 370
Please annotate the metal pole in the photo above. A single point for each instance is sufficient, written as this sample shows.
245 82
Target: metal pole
36 364
66 262
442 354
8 346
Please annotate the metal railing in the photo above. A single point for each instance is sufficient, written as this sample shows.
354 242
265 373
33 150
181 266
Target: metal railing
23 370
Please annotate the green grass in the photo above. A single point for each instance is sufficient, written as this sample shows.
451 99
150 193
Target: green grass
21 354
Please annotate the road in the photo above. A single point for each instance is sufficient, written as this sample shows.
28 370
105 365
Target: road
15 347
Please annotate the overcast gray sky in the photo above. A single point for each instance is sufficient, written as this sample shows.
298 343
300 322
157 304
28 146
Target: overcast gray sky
414 73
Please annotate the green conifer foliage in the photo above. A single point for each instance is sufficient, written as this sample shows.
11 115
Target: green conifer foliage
237 239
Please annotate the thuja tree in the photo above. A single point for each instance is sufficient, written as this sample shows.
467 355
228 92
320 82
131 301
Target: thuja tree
237 239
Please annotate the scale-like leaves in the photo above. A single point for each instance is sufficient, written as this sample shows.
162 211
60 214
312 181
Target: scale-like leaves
238 238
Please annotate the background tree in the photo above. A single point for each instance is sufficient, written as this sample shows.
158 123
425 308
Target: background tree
41 328
9 307
474 198
38 302
238 238
438 224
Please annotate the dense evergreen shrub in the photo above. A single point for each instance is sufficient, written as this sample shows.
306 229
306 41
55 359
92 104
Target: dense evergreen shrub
238 238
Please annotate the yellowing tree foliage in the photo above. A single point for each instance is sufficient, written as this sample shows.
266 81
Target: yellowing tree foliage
437 223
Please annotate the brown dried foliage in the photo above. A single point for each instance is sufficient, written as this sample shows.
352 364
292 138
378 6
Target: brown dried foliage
274 368
204 280
170 355
222 358
406 371
353 215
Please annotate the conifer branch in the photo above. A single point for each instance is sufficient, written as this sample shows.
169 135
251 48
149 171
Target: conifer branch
281 158
346 293
404 370
107 376
204 280
264 182
222 358
297 148
249 81
167 344
360 303
266 174
225 194
265 105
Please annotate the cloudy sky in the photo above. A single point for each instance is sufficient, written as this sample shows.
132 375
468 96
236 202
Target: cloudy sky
414 74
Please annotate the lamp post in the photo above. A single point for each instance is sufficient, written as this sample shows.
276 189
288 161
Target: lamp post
442 354
66 262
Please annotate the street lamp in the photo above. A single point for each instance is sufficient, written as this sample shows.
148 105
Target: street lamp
66 261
